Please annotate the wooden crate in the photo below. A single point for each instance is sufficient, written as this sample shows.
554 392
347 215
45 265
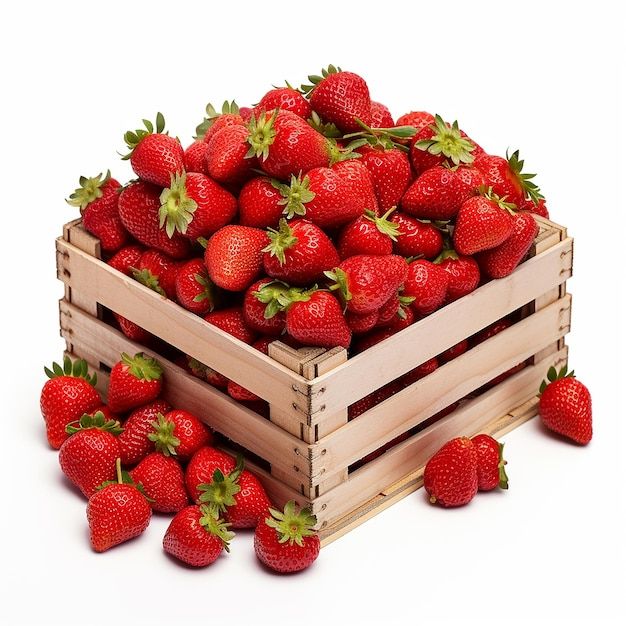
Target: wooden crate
307 449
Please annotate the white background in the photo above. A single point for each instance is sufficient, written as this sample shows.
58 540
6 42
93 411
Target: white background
530 75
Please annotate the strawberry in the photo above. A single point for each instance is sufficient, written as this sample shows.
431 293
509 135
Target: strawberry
565 406
131 330
372 338
227 158
97 199
158 272
235 390
463 273
106 411
230 115
366 282
299 252
390 172
451 475
134 381
202 466
285 541
154 156
194 157
340 97
88 457
139 206
163 481
316 319
196 536
372 399
285 98
416 238
126 258
195 206
361 324
261 203
453 352
491 472
395 307
501 261
358 183
65 397
419 372
490 331
483 222
286 145
538 208
194 289
506 178
263 306
368 234
179 433
380 116
231 321
117 512
234 256
134 442
439 192
417 119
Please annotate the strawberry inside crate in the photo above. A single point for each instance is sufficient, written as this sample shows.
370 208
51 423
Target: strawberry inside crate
311 451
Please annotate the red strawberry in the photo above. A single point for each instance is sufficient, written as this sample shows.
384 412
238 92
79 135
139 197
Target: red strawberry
416 238
139 206
134 442
132 330
202 466
179 433
286 145
97 199
214 121
453 352
163 481
380 116
366 282
390 172
501 261
340 97
299 252
374 398
126 258
361 324
490 331
428 284
358 183
195 206
538 208
88 457
417 119
316 319
440 191
372 338
491 472
404 318
451 475
227 158
196 536
194 289
263 311
396 307
284 98
368 234
463 273
285 541
483 222
116 513
134 381
260 203
234 256
506 178
235 390
565 406
158 272
154 156
419 372
194 157
231 321
65 397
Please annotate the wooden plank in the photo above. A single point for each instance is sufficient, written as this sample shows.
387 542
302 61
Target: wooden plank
188 332
429 337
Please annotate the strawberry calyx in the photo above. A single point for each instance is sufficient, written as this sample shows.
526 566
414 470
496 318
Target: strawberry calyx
261 135
339 153
207 289
177 208
385 138
328 129
220 493
448 141
123 478
133 138
529 188
163 436
553 375
503 479
228 108
217 527
147 279
278 296
316 79
384 226
447 253
292 525
405 301
488 192
88 191
295 195
97 420
142 367
197 367
75 369
340 283
280 240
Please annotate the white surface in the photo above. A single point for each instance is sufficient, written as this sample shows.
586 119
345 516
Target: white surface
551 550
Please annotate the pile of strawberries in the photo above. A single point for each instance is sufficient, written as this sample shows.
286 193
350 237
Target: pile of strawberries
170 466
312 216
